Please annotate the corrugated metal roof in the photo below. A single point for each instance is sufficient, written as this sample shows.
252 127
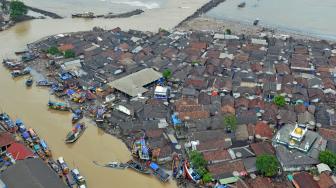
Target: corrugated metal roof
133 84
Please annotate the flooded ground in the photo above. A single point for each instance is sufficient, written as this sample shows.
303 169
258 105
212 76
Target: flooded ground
31 104
312 17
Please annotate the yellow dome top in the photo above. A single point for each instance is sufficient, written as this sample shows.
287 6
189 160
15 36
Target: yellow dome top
298 131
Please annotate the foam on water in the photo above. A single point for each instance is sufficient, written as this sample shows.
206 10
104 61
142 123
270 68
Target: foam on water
147 5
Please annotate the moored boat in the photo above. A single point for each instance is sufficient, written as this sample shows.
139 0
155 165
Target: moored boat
18 73
242 5
21 127
75 133
33 134
58 106
45 83
138 167
159 172
29 82
45 148
190 172
27 139
63 165
116 165
79 179
77 115
56 168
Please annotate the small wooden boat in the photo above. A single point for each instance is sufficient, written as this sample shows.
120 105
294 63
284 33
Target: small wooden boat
138 167
159 172
33 134
84 15
21 127
29 82
29 56
12 64
37 149
45 148
21 52
45 83
58 106
76 115
116 165
75 133
18 73
190 172
55 167
79 179
27 139
7 123
70 181
63 165
242 5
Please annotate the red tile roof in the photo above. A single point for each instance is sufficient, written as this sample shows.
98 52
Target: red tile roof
262 148
325 181
20 151
260 182
6 139
219 155
304 180
226 167
65 47
262 129
328 134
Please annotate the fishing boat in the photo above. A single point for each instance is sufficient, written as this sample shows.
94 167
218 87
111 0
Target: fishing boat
12 64
45 148
79 179
76 115
29 82
33 135
7 123
100 114
63 165
28 56
18 73
55 167
58 106
190 172
256 22
27 139
138 167
116 165
70 181
21 52
37 149
21 127
45 83
75 133
159 172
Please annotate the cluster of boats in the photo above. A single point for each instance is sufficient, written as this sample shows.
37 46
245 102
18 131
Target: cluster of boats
18 68
72 177
58 106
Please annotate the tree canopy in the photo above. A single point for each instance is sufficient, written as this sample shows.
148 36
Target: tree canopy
17 9
279 100
69 54
267 165
230 122
53 51
328 157
167 74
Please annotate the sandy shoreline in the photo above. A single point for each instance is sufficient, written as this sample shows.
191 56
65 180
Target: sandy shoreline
205 23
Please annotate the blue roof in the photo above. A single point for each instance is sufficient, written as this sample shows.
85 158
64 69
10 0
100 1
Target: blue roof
70 92
154 166
176 120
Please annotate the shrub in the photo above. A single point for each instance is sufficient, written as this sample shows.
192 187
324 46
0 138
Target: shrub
230 122
267 165
328 157
279 100
69 54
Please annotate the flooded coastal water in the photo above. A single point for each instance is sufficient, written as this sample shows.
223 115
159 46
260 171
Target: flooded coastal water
67 7
311 17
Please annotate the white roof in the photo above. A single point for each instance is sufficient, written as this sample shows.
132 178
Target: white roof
323 167
231 37
259 41
160 89
133 84
219 36
226 55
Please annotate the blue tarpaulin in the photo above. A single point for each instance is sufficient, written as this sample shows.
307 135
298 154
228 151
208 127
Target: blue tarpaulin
70 92
154 166
25 135
176 120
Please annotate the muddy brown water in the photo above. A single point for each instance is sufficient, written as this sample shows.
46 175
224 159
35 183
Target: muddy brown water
31 106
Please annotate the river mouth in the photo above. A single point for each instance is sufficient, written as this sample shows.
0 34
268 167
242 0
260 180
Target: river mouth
67 7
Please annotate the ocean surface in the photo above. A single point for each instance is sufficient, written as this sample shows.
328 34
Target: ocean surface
67 7
314 17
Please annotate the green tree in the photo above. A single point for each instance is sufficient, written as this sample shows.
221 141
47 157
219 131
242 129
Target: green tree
328 157
267 165
207 177
167 74
230 122
197 159
279 100
69 54
53 51
17 9
228 31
